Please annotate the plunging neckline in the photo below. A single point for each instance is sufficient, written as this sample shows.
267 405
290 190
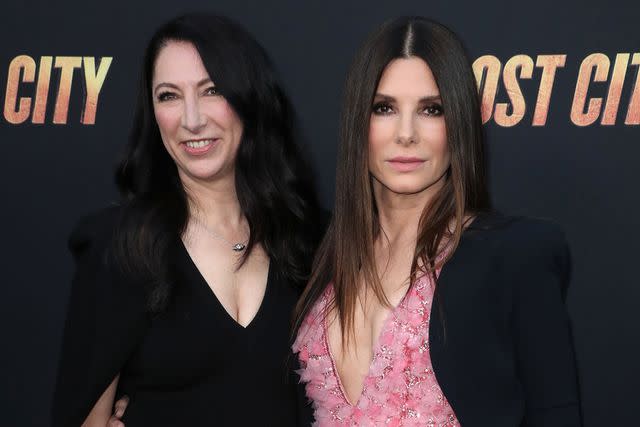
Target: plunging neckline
200 278
375 349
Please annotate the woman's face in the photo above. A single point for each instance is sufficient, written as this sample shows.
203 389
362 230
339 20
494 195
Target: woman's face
408 151
199 129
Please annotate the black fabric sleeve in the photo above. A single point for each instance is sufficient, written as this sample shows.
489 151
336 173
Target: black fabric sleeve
539 270
106 318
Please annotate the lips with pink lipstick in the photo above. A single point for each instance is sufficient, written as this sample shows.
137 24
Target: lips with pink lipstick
199 147
405 164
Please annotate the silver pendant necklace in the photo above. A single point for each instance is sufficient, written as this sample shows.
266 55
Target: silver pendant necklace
236 247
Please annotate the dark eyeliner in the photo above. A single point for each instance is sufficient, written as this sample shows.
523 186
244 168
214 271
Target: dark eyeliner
376 108
164 96
213 89
437 107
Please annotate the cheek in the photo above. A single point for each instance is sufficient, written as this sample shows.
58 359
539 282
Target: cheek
223 115
168 120
380 134
442 147
226 112
435 134
236 124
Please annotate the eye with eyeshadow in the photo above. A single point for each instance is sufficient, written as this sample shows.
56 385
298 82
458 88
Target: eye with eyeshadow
211 91
382 109
166 96
434 109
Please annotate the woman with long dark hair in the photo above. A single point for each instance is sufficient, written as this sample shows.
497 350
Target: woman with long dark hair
425 307
183 292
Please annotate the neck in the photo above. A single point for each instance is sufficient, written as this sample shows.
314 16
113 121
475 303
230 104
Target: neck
400 214
214 203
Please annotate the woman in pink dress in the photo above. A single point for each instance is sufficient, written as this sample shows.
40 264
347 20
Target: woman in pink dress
425 307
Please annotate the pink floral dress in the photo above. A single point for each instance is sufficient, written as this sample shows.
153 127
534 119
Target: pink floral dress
400 388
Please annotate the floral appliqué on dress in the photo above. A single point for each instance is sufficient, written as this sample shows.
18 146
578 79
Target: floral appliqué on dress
400 388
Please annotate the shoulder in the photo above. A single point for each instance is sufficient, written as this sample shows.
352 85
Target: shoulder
522 242
525 247
99 266
519 233
94 230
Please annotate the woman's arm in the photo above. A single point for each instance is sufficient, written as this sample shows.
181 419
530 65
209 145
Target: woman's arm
539 266
106 319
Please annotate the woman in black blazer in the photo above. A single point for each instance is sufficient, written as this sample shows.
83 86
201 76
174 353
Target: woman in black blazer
502 348
425 307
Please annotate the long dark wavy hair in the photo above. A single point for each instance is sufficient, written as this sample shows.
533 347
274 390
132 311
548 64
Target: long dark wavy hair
273 182
345 257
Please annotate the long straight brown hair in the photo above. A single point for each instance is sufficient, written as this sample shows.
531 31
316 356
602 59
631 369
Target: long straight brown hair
346 256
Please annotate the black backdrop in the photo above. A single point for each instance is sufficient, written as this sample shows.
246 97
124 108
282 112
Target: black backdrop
583 177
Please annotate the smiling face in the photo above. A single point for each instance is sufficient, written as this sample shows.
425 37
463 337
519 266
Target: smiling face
408 151
199 129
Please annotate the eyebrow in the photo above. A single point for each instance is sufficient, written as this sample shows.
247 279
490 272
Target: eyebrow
172 86
389 98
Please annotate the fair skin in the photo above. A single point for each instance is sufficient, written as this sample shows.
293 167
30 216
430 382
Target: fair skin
202 133
408 158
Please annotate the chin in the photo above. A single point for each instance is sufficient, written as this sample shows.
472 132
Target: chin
205 173
409 190
407 186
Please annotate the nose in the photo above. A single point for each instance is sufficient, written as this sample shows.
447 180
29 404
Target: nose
192 118
406 133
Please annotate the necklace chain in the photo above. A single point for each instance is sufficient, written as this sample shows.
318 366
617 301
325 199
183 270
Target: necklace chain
237 247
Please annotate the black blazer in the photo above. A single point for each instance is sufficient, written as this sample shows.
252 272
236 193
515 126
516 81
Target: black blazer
499 335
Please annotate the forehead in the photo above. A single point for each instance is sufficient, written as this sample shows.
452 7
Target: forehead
408 77
178 62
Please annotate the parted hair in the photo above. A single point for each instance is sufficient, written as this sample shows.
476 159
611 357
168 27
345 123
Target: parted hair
345 257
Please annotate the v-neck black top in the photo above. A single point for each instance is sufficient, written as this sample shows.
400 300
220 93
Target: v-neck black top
191 365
